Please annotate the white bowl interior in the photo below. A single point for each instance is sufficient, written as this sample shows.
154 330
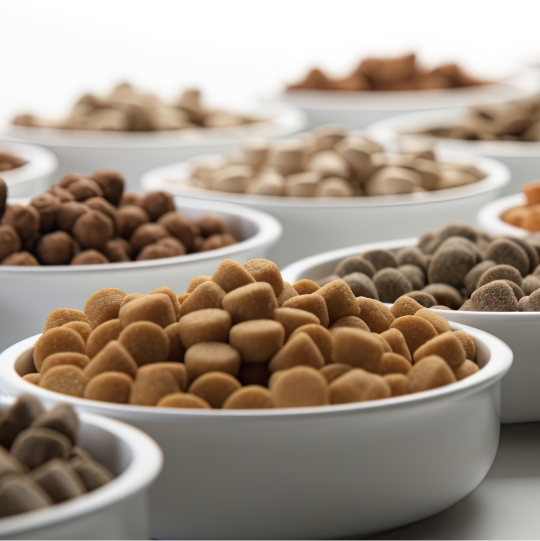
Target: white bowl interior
489 216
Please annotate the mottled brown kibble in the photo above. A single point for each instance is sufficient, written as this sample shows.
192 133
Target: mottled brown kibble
305 287
300 386
208 325
181 228
397 343
56 248
468 344
196 282
112 184
381 259
265 271
57 340
36 446
129 218
299 350
56 359
405 306
445 294
157 204
447 346
254 301
131 198
93 229
61 316
349 321
416 331
355 263
508 252
323 339
288 292
450 264
147 234
104 305
65 379
312 303
206 357
292 318
440 323
109 387
375 314
391 284
430 373
257 340
423 298
113 357
496 296
146 341
102 335
61 418
206 295
340 301
214 387
249 397
151 386
357 385
89 257
156 308
177 370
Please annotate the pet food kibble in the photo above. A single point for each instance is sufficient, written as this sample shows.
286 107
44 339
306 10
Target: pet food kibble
66 379
20 416
48 206
89 257
56 248
129 218
447 346
414 274
156 308
313 303
301 386
445 294
381 259
397 343
35 446
530 284
411 255
157 204
57 340
93 229
69 213
305 287
58 479
61 419
206 295
146 341
24 364
257 340
349 321
327 279
405 306
468 368
209 325
147 234
177 370
25 220
183 400
450 265
355 263
217 241
496 296
340 301
357 348
265 271
375 314
33 378
361 285
20 259
214 387
391 284
101 335
392 363
19 494
298 350
56 359
431 372
357 385
508 252
249 397
176 348
332 371
109 387
84 189
112 357
58 318
292 318
91 473
423 298
210 224
150 386
500 272
197 281
230 275
181 228
399 384
172 296
468 344
323 339
441 325
111 182
206 357
8 464
104 305
288 292
80 327
416 331
254 301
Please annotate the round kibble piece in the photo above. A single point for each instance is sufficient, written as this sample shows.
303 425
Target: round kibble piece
416 331
147 234
93 229
292 318
440 323
176 348
25 410
375 314
430 373
468 344
288 292
128 219
102 335
206 357
405 306
496 296
231 275
19 494
530 284
468 368
68 214
299 350
500 272
61 316
312 303
445 294
177 370
254 301
56 248
9 241
257 340
91 473
340 300
361 285
305 287
391 284
381 259
414 274
206 295
301 386
80 327
447 346
214 387
397 343
357 348
249 397
451 264
412 255
151 386
62 418
197 281
109 387
89 257
425 299
56 359
472 277
357 385
65 379
146 341
25 220
183 400
111 182
181 228
155 308
48 206
392 363
25 259
399 384
353 264
57 340
112 357
508 252
265 271
210 224
84 189
36 446
209 325
157 203
103 305
323 339
332 371
349 321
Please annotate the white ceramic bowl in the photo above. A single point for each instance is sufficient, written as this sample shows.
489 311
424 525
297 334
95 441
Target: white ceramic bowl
135 153
523 158
29 294
520 397
119 510
315 224
313 473
357 110
489 216
32 178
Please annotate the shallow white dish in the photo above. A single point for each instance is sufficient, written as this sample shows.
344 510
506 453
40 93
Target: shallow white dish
134 153
313 473
489 216
118 510
519 330
315 224
523 158
32 178
29 294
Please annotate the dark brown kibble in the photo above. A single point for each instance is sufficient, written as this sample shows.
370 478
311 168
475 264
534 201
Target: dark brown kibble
375 314
59 480
500 272
89 257
93 229
25 220
211 224
24 364
381 259
25 259
3 197
118 250
56 248
508 252
445 294
129 218
61 418
472 277
147 234
48 206
355 263
412 255
361 285
84 189
391 284
8 464
180 227
414 274
91 473
530 284
131 198
18 417
9 241
217 241
423 298
19 494
112 184
98 203
69 213
69 179
496 296
36 446
157 204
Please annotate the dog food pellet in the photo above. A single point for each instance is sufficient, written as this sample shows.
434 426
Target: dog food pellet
305 287
361 285
19 494
423 298
357 348
206 357
441 325
24 364
101 335
89 257
57 340
183 400
431 372
257 340
18 417
206 295
355 263
391 284
81 328
447 346
214 387
298 350
292 318
176 348
416 331
56 359
312 303
103 305
254 301
357 385
62 419
468 344
405 306
340 301
197 281
332 371
392 363
58 318
468 368
208 325
249 397
36 446
66 379
8 464
397 343
114 356
152 385
91 473
496 296
288 292
109 386
146 341
375 314
300 386
399 384
349 321
58 479
156 308
265 271
323 339
230 275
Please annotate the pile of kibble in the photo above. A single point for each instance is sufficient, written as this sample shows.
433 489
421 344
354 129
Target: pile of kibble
401 73
128 109
10 161
245 339
456 268
40 461
91 220
330 162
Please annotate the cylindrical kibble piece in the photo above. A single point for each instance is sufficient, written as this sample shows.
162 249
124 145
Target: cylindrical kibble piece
206 357
310 303
301 386
155 308
299 350
56 359
146 341
209 325
214 387
104 305
357 348
254 301
257 340
323 339
468 368
447 346
57 340
65 379
468 344
102 335
375 314
265 271
249 397
440 323
109 387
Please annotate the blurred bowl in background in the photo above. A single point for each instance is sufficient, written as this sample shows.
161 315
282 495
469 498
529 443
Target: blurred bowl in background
489 216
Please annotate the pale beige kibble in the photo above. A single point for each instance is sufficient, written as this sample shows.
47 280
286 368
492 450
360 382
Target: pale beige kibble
196 282
209 325
155 308
57 340
405 306
102 335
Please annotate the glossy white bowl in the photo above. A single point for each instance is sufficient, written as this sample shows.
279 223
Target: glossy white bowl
523 158
35 176
489 216
519 330
29 294
315 224
118 510
134 153
312 473
357 110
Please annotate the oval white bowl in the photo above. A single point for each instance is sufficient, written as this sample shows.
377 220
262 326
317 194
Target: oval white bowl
270 474
315 224
35 176
29 294
134 153
519 330
118 510
489 216
523 158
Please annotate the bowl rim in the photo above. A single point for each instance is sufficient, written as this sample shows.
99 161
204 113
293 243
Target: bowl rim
269 231
146 464
40 163
498 176
489 216
499 363
295 271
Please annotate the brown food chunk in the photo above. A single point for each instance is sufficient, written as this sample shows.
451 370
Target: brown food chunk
313 303
349 321
468 344
102 335
91 473
57 359
103 305
397 343
399 384
440 323
300 386
405 306
146 341
447 346
62 418
156 308
56 248
57 340
257 340
214 387
416 331
65 379
334 370
80 327
109 387
183 400
24 411
209 325
112 184
305 287
431 372
151 386
468 368
112 357
36 446
19 494
206 295
265 271
89 257
157 203
206 357
254 301
299 350
323 339
93 229
292 318
249 397
357 385
181 228
375 314
340 301
59 480
196 282
61 316
288 292
129 218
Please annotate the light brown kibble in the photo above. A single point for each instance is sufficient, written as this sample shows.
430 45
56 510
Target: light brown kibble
65 379
146 341
332 371
265 271
447 346
102 335
375 314
323 339
257 340
183 400
150 387
112 357
206 357
468 368
292 318
357 348
254 301
109 387
468 344
84 329
397 343
305 287
310 303
431 372
416 331
350 322
214 387
357 385
56 359
405 306
231 275
103 306
299 350
206 295
155 308
177 370
196 282
209 325
339 299
440 323
57 340
399 384
61 316
287 293
301 386
176 348
172 296
249 397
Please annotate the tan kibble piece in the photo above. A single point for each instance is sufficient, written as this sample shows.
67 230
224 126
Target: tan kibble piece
301 386
56 359
113 357
349 321
357 348
257 340
176 348
397 342
468 368
102 335
430 373
206 357
416 331
440 323
339 299
288 292
254 301
183 400
447 346
306 287
468 344
292 318
84 329
65 379
265 271
181 299
57 340
155 308
310 303
214 387
231 275
196 282
299 350
207 295
209 325
385 345
172 296
405 306
393 363
103 305
322 337
399 384
61 316
333 371
130 297
33 378
151 386
375 314
177 370
109 387
24 363
249 397
147 342
357 385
